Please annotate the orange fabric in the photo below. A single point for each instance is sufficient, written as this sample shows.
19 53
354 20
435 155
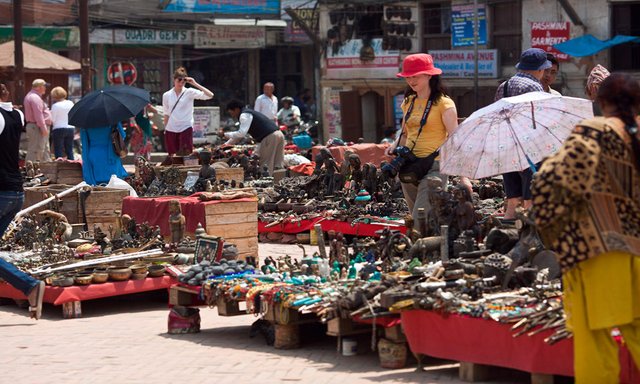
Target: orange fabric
369 152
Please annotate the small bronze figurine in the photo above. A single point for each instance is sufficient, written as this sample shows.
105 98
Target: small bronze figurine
176 221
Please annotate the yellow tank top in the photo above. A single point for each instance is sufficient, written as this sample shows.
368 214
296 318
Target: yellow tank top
434 133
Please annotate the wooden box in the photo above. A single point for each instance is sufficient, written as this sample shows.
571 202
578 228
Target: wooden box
395 334
184 297
237 223
69 203
62 172
341 327
103 207
229 307
229 174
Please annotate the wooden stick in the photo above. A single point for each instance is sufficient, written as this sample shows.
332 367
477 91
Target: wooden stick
50 199
320 235
86 263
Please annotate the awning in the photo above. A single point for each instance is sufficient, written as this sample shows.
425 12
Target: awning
36 58
588 45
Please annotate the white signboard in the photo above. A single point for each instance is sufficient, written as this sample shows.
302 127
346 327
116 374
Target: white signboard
460 63
346 63
141 36
229 36
206 122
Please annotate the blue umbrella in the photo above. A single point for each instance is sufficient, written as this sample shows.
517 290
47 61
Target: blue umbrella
108 106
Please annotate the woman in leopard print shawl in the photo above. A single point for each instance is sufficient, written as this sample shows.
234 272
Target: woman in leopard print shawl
586 203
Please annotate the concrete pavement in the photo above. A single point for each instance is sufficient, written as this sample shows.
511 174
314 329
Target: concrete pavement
125 340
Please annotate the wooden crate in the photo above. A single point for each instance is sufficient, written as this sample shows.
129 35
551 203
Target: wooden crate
62 172
343 327
69 206
103 207
229 174
237 223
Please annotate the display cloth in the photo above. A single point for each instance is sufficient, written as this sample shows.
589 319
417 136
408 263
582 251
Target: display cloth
155 210
488 342
358 228
62 295
381 321
369 153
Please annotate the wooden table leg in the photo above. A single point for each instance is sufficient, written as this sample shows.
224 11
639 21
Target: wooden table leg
71 310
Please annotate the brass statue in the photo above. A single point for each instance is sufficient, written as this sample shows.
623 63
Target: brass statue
176 221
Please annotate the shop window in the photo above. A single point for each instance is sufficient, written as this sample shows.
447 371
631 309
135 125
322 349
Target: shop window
436 21
624 21
506 29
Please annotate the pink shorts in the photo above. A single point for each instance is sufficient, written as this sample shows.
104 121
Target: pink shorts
179 143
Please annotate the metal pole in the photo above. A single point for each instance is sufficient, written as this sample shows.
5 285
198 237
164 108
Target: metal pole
475 52
18 64
85 53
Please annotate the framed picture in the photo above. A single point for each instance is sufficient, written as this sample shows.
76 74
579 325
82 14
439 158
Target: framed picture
208 248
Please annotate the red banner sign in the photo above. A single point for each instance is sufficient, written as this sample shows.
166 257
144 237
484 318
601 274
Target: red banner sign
545 34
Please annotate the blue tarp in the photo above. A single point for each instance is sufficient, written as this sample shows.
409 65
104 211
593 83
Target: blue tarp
588 45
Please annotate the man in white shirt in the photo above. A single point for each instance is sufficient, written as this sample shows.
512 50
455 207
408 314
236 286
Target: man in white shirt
177 104
267 103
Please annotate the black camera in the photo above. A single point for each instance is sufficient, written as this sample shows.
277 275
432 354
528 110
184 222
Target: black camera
403 154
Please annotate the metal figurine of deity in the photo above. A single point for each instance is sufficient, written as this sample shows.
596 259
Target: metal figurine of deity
176 221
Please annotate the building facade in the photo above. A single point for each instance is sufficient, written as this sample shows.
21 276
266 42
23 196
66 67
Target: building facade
361 96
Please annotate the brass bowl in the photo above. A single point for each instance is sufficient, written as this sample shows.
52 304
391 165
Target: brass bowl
139 276
156 270
83 278
62 281
100 276
139 268
119 273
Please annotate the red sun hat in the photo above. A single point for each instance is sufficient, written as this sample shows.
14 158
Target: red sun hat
418 64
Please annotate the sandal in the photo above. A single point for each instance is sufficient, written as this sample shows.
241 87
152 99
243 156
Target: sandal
37 295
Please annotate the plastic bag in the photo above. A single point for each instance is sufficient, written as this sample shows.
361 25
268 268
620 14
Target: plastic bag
117 183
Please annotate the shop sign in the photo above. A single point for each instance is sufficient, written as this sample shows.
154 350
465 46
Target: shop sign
461 63
142 36
462 22
45 37
294 33
545 34
225 7
122 72
346 63
229 36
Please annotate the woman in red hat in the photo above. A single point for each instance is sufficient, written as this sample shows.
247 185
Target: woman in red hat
429 117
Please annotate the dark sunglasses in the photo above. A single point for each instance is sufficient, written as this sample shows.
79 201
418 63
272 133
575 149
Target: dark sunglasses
180 78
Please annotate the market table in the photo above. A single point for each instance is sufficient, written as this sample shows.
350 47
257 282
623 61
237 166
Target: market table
70 297
368 152
488 342
356 229
235 220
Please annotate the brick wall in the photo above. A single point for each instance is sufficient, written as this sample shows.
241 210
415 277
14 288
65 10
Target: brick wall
41 12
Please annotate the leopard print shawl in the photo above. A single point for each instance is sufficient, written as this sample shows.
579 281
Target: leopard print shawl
586 197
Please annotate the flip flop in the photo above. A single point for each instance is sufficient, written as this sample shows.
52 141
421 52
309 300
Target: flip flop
36 309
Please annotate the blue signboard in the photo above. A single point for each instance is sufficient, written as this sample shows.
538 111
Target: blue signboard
462 17
226 7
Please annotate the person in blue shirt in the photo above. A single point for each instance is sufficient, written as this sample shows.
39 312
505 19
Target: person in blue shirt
99 160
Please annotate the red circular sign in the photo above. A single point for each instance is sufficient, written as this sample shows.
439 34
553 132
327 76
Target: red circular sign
122 72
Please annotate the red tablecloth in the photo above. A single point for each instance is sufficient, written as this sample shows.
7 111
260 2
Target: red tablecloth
382 321
155 210
61 295
358 229
369 153
488 342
